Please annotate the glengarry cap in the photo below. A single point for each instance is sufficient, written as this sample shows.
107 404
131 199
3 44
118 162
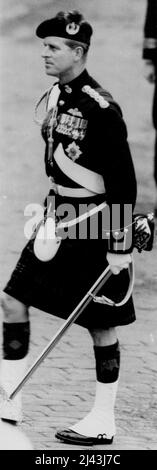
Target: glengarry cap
68 25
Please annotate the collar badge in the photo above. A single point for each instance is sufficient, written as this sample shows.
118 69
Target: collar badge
68 89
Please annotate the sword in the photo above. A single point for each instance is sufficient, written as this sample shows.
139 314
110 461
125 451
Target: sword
70 320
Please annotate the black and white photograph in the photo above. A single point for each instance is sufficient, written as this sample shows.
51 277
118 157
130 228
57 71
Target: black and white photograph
78 236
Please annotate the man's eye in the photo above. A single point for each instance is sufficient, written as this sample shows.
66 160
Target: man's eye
53 48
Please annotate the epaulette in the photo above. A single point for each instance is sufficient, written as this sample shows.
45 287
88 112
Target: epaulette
96 96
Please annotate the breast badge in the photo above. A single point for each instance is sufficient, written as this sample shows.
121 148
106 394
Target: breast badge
73 151
75 112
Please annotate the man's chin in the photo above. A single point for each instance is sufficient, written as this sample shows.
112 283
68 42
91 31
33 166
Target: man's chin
50 71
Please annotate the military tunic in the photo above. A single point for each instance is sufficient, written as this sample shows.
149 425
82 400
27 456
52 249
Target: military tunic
90 127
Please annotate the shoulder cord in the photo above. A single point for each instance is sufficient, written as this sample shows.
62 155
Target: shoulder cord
45 94
50 137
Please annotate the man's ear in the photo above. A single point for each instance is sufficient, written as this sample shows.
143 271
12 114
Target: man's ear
78 53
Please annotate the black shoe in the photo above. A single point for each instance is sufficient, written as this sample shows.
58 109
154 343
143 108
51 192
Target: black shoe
10 421
71 437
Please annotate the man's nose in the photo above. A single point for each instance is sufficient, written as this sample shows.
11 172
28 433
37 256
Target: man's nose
46 52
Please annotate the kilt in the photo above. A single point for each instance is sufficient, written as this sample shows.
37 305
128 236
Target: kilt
58 285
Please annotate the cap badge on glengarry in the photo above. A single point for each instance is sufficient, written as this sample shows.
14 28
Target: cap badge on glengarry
72 28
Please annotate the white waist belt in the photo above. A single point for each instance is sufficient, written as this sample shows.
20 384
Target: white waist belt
71 192
82 176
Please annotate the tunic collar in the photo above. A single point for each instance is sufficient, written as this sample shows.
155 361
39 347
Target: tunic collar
75 84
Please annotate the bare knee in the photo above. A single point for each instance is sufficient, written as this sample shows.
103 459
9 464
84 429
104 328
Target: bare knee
13 310
103 337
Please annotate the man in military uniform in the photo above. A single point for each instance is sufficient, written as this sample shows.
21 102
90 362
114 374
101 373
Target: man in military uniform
88 161
150 56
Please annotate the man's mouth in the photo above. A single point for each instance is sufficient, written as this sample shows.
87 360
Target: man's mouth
48 63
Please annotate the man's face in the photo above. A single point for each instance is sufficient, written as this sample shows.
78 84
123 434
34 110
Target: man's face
59 58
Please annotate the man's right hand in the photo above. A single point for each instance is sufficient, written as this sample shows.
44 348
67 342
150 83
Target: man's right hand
118 262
